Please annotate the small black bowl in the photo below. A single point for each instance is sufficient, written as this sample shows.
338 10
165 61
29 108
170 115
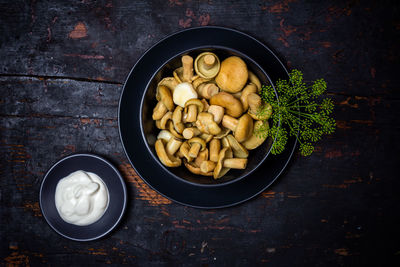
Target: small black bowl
150 131
116 189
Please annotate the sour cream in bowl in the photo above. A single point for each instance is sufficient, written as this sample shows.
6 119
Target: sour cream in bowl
83 197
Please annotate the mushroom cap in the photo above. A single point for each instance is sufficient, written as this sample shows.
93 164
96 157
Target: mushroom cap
178 74
244 128
198 140
163 94
165 135
159 111
255 141
165 119
167 160
206 124
207 65
199 81
250 88
233 106
217 111
177 119
171 128
264 115
195 101
184 150
238 150
232 75
182 93
219 169
169 82
224 132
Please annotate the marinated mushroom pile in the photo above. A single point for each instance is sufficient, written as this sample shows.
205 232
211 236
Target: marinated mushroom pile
207 113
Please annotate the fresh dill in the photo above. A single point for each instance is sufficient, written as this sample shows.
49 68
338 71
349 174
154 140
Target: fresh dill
302 114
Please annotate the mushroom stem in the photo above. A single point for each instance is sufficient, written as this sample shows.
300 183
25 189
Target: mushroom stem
249 89
242 127
209 61
217 111
187 63
225 142
173 145
194 150
235 163
215 147
207 90
229 122
191 132
207 166
191 113
202 156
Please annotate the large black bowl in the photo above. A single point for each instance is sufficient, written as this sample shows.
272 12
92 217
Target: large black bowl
150 131
135 106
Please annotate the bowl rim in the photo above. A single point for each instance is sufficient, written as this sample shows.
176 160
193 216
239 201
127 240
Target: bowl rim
121 179
141 115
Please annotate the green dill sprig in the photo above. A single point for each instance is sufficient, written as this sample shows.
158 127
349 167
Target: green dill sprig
300 113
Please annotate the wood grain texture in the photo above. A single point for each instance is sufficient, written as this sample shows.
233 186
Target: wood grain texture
61 74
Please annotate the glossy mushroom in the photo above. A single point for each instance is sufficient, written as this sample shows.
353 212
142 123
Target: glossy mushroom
190 132
167 160
182 93
177 119
162 124
206 124
255 140
192 108
207 90
232 75
242 128
169 82
215 147
258 110
217 112
165 135
195 169
238 149
196 145
249 89
173 145
207 65
227 162
233 106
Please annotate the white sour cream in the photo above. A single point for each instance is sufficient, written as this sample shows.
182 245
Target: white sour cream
81 198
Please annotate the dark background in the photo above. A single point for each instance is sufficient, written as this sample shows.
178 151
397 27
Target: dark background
62 68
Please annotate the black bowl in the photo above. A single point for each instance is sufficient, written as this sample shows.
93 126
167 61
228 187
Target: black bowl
116 189
136 147
150 131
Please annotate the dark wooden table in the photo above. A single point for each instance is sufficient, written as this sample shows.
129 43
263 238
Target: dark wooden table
62 69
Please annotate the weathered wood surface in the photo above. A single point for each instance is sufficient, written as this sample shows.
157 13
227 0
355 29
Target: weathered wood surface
62 68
